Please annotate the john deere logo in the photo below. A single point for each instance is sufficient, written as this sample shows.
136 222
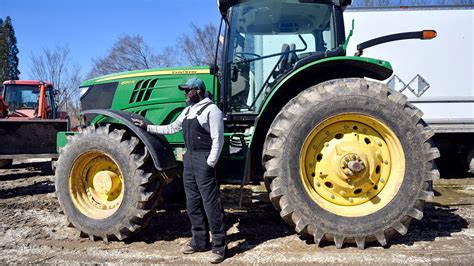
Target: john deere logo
126 82
184 72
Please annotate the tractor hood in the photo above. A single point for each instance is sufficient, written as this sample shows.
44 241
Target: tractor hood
146 73
134 89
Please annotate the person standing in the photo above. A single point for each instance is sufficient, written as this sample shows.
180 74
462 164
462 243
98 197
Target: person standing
202 124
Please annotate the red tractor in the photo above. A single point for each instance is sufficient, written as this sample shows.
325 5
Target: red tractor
29 121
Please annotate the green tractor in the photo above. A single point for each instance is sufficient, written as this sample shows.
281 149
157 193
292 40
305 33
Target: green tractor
344 158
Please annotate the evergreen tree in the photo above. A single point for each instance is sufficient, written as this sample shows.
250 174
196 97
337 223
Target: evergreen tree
12 51
3 53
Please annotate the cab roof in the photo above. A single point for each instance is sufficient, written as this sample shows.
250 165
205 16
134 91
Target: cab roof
27 82
224 5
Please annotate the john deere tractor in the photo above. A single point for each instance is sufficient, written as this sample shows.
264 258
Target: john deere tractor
344 158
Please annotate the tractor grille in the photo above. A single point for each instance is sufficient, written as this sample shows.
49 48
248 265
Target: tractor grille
142 90
99 96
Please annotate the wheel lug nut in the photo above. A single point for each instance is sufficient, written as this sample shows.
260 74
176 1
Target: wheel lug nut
318 184
332 196
379 143
385 161
382 180
342 192
326 144
351 200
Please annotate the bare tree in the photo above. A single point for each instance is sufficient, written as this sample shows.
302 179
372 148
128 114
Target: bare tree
55 65
200 47
131 53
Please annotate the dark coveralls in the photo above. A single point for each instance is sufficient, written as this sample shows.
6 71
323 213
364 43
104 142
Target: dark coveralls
202 194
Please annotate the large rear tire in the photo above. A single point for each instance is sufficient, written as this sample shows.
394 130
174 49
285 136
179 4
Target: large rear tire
106 183
349 161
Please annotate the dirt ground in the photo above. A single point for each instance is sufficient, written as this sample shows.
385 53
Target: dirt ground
32 230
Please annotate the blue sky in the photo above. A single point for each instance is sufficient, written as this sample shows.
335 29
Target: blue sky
90 27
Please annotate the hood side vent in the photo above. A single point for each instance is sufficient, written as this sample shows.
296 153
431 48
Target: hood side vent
142 90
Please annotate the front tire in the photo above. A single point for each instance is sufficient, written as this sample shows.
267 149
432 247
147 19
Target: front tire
349 161
106 183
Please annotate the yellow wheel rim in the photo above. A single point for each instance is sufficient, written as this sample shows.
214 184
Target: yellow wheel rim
352 165
96 185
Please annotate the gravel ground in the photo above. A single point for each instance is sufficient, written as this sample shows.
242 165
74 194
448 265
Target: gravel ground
32 230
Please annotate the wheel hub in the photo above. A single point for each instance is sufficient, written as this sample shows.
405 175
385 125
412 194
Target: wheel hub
103 181
356 166
352 165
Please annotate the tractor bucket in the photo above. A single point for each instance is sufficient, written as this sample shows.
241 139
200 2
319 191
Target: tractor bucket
29 139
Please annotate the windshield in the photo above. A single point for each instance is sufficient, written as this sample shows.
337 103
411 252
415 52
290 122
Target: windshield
23 97
266 38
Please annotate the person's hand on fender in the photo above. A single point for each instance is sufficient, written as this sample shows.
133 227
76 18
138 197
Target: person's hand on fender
140 123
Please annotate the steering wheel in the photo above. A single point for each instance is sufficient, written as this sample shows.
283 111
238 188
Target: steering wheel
241 55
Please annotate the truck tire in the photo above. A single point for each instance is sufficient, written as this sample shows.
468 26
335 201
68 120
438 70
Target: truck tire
349 161
106 183
6 163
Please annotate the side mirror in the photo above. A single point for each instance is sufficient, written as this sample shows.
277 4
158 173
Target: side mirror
213 69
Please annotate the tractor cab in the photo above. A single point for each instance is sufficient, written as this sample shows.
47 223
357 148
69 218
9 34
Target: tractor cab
23 98
265 40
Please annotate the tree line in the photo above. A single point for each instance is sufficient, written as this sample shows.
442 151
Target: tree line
127 53
132 52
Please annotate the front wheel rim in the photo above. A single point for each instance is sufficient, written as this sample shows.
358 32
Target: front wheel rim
352 164
96 185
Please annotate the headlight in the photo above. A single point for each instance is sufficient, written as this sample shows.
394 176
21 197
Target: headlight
83 91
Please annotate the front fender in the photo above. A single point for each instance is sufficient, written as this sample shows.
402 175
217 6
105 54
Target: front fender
160 150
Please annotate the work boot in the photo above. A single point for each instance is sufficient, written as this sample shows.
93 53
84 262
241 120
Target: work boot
189 249
217 257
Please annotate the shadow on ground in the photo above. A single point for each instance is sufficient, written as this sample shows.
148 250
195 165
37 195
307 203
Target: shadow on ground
257 222
43 187
438 221
26 170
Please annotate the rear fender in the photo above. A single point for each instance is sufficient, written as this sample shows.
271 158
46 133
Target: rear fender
306 74
160 150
